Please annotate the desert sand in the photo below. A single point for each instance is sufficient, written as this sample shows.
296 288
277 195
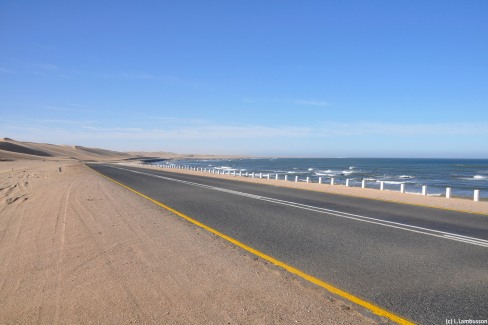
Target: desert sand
11 149
78 248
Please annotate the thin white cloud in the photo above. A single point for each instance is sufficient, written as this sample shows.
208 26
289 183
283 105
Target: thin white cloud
137 76
176 128
166 79
61 122
3 70
249 100
208 132
49 47
72 108
87 129
310 102
180 121
48 67
347 138
402 129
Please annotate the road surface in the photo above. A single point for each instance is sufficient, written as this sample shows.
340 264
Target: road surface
424 264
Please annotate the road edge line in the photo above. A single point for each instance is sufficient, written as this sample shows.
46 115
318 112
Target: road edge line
358 301
333 193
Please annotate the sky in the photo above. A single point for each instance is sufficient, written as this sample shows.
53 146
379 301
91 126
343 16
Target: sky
266 78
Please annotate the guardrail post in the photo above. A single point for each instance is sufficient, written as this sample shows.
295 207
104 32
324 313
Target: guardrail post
296 179
347 182
332 181
382 186
320 180
402 188
476 195
308 179
260 175
286 177
424 190
363 183
448 192
252 175
276 177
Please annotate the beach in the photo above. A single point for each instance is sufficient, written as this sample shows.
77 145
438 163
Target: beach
78 248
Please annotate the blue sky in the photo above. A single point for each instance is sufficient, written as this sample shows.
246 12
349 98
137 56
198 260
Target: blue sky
275 78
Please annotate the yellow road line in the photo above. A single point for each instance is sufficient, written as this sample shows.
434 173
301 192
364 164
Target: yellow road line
373 308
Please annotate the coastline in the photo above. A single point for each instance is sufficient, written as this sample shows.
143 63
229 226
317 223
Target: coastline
456 204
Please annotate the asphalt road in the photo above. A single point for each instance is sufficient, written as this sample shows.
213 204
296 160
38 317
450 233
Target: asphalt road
424 264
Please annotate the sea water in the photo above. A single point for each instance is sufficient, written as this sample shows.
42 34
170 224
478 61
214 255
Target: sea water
462 175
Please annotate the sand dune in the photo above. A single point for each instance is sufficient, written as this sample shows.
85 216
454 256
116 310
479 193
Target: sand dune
12 149
22 149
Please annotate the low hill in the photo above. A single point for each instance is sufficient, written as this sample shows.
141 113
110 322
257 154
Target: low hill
11 149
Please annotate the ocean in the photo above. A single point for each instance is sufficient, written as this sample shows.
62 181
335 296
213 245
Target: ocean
462 175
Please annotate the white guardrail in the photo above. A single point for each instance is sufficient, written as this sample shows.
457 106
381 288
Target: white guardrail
476 194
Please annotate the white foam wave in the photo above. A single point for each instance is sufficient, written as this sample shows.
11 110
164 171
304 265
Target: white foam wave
325 174
406 176
225 168
328 172
389 182
475 178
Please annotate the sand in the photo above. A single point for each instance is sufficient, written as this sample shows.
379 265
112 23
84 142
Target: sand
11 149
456 204
77 248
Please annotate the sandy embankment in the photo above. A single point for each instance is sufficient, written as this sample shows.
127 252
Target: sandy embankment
77 248
457 204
